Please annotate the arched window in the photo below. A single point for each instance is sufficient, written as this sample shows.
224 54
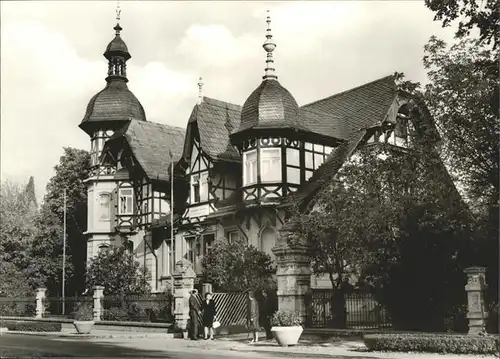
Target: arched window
104 206
268 241
103 247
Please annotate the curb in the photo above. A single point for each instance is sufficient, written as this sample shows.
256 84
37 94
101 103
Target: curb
93 336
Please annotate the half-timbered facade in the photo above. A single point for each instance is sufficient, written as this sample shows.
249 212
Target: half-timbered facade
233 170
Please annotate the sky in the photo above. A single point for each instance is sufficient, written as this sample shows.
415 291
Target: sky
52 63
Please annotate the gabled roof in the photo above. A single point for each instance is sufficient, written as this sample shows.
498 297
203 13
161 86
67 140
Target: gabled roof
151 144
216 119
362 108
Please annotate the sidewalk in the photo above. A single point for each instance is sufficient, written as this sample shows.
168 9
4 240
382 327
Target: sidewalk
308 347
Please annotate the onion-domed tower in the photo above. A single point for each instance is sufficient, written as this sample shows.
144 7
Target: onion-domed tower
107 111
268 136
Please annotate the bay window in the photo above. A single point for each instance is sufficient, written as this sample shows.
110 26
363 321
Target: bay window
104 208
249 167
270 164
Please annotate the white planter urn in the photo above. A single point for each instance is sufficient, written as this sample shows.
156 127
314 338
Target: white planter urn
84 326
286 336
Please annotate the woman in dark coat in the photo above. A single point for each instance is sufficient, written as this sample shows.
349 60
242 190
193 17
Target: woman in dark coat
208 315
253 316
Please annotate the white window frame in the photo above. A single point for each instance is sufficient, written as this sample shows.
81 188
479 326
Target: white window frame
253 168
273 155
204 195
104 215
195 182
125 198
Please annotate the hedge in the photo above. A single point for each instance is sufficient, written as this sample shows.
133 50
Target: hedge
34 326
433 343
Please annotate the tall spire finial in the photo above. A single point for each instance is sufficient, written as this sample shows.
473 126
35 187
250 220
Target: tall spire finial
200 90
269 46
118 28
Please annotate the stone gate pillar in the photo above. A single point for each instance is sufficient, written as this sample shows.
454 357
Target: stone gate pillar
475 287
184 276
97 297
40 305
294 276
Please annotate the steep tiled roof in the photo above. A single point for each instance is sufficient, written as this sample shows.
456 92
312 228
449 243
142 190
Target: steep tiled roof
114 103
361 107
216 119
151 144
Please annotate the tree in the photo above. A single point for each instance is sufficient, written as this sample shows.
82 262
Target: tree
463 97
72 170
17 230
234 266
481 14
116 270
384 206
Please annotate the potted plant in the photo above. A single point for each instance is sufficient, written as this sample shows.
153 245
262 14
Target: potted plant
84 318
286 327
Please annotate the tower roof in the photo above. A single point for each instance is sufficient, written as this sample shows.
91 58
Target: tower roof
270 105
117 46
115 104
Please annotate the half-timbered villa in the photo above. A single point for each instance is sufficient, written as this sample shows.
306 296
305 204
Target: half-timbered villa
233 169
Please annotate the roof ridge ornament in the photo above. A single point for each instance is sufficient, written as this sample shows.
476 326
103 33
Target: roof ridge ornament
200 90
269 47
118 28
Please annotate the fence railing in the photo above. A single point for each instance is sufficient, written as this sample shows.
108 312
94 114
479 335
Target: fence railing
154 308
58 307
19 307
362 311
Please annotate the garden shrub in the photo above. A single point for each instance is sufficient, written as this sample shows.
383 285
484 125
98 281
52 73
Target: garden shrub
286 319
433 343
34 326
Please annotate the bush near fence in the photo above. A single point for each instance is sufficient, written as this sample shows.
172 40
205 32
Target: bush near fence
156 308
34 326
17 307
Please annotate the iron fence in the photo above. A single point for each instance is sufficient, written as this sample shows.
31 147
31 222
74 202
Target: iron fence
58 307
18 307
362 311
156 308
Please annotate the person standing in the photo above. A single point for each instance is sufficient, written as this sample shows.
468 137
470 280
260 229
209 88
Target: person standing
266 313
253 316
208 315
194 312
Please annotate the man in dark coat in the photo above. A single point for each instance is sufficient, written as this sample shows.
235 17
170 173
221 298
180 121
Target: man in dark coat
266 313
253 316
194 312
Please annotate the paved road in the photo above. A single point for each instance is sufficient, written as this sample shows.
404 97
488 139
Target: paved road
29 346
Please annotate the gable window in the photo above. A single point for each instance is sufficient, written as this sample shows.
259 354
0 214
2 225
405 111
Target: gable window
195 189
104 208
203 187
125 201
249 167
270 165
